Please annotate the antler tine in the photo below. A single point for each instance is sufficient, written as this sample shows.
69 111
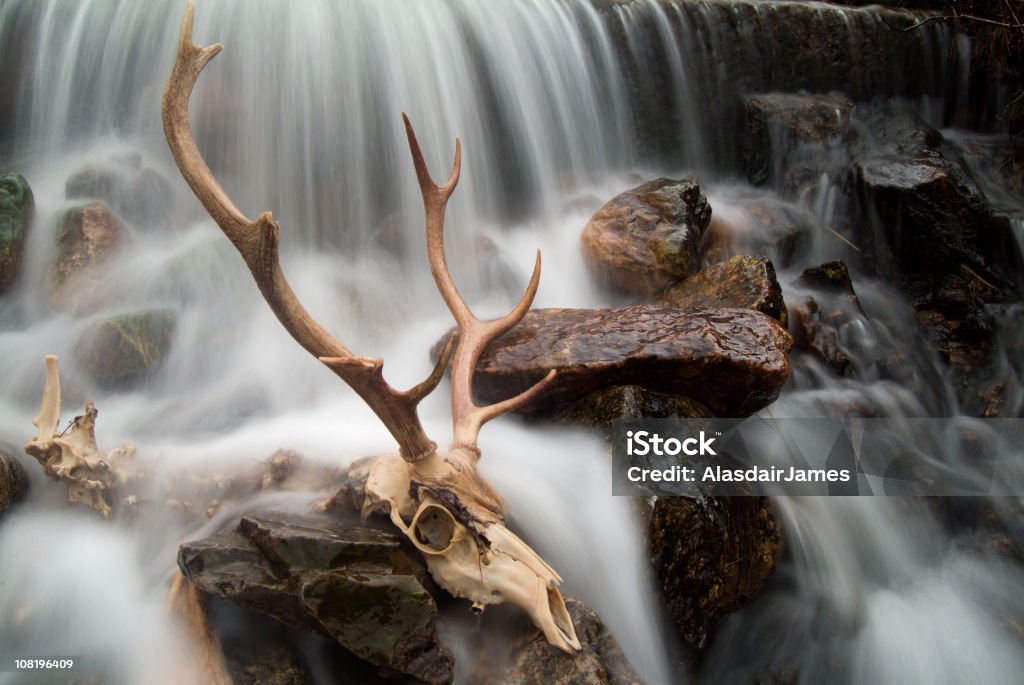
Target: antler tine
474 335
257 242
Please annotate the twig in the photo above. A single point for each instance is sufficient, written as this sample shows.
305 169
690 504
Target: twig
840 236
974 273
949 17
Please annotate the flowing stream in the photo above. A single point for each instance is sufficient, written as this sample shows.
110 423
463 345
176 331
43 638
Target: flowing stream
300 114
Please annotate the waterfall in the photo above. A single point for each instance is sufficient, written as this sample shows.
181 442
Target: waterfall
559 104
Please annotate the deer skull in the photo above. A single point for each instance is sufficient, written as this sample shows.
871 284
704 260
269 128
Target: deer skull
439 501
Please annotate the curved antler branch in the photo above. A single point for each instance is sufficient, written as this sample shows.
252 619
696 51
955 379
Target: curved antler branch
474 335
257 242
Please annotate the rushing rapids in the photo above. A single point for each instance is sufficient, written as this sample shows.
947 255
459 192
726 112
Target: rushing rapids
560 105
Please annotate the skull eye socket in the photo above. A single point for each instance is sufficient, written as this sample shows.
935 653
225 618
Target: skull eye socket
433 529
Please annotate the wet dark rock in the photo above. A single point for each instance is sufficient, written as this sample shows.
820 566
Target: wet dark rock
140 195
818 319
733 361
266 663
817 332
791 136
830 277
87 239
933 220
711 555
520 655
16 209
744 282
359 586
13 481
126 348
624 402
758 225
647 237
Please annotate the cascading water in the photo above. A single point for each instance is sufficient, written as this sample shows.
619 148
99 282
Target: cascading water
559 104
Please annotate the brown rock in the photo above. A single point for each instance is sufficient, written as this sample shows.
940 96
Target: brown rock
13 482
711 555
758 225
647 237
817 320
87 238
623 402
744 282
359 586
127 347
526 658
780 127
829 277
734 361
817 332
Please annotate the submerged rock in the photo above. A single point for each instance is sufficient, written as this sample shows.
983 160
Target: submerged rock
759 225
744 282
817 320
525 656
125 348
623 402
788 136
711 555
140 195
13 481
87 238
734 361
647 237
16 208
357 585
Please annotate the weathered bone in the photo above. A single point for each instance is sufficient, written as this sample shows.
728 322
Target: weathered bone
440 501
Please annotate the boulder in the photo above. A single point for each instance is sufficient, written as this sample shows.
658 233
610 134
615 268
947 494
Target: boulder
139 194
929 228
831 277
642 240
125 348
623 402
744 282
932 218
359 586
711 555
87 238
13 481
16 209
733 361
818 319
787 137
525 656
759 225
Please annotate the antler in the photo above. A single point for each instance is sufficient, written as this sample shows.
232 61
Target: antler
257 242
474 335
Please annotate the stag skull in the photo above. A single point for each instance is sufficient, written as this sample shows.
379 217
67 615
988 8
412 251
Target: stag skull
439 501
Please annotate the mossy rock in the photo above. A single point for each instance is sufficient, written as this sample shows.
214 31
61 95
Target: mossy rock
126 348
17 206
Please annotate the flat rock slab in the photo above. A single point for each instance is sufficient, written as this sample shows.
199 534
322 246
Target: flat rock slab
360 586
733 361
